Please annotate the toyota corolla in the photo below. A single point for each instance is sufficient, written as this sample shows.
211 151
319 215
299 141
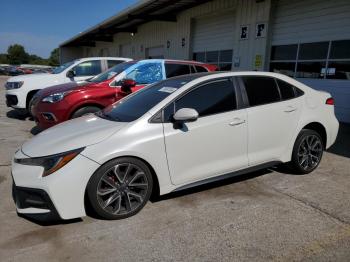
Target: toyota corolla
174 134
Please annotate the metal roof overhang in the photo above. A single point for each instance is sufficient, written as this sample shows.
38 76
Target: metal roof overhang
129 19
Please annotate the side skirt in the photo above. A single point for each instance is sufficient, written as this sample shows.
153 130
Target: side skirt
229 175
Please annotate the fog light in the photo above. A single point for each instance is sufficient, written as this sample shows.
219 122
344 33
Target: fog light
49 117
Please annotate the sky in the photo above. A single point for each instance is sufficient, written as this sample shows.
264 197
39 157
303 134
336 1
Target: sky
41 25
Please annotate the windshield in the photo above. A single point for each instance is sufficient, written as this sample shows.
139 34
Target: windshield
137 104
115 70
61 68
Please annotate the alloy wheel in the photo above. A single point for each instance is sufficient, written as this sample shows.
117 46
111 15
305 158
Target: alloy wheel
122 189
310 152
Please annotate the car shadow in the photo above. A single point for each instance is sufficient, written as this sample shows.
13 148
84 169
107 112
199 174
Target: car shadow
341 146
45 223
14 114
212 185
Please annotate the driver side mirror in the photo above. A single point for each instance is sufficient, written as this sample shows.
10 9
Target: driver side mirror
127 84
184 115
70 74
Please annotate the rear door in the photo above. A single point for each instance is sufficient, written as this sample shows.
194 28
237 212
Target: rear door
273 115
213 145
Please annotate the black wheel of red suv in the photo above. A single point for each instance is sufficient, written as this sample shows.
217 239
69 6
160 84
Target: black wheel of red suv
85 111
307 152
120 188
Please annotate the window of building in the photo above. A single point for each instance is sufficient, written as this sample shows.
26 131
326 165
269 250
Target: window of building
222 59
329 59
261 90
88 68
211 98
176 69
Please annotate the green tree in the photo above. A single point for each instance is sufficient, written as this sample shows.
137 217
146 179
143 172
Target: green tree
3 59
37 60
54 59
17 55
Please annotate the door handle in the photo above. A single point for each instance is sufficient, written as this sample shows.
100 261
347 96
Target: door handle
290 109
237 121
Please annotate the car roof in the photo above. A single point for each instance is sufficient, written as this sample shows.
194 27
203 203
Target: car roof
171 60
103 58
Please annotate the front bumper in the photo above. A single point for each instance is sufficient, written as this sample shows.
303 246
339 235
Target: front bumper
60 194
34 202
11 100
47 115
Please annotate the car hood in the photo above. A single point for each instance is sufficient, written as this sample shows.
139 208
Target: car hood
32 77
70 135
60 88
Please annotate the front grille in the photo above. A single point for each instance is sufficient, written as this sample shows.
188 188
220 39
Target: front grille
11 100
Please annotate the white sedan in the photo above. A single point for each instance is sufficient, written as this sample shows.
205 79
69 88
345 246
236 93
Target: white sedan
172 135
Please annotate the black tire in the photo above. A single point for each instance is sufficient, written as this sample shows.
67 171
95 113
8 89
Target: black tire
114 192
85 110
307 152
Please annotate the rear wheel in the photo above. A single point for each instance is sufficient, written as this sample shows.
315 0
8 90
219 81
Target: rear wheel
120 188
307 152
85 111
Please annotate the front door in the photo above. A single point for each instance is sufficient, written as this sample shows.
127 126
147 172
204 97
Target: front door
213 145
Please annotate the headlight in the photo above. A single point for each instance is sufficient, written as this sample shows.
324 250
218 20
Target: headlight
50 163
55 97
13 85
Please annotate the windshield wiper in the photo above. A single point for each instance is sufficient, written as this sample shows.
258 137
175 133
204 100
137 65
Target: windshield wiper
107 117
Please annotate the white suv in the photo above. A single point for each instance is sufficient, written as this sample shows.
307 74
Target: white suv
21 89
172 135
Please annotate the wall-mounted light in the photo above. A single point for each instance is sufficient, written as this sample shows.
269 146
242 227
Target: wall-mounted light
132 34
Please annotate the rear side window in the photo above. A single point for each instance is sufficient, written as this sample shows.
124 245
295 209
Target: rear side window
176 70
261 90
111 63
88 68
286 89
211 98
201 69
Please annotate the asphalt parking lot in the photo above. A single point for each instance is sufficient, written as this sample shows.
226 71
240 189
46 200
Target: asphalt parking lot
263 216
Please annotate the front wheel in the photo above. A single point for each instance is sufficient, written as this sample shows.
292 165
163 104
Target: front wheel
307 152
85 111
120 188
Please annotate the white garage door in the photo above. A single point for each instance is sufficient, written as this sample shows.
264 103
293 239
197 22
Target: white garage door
213 33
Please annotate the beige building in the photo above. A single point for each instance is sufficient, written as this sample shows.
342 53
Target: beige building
306 39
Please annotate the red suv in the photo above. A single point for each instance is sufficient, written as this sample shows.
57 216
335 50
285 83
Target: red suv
56 104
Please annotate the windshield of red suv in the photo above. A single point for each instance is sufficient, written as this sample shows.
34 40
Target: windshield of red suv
115 70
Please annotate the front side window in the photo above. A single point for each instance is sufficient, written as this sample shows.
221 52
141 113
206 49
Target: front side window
147 73
111 63
88 68
261 90
209 99
176 69
201 69
63 67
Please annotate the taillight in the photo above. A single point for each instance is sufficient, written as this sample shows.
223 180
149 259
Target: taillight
330 101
